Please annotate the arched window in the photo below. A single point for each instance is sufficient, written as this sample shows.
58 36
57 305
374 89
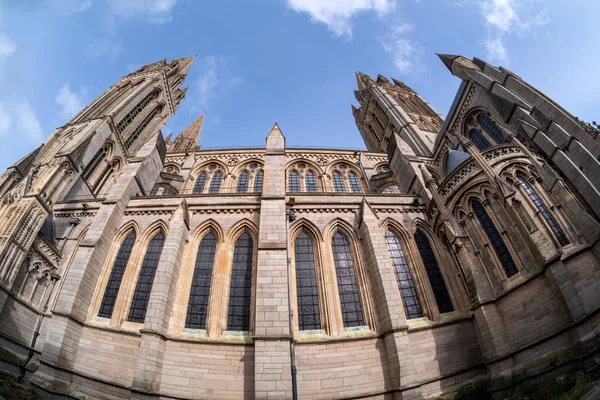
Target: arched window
154 191
406 284
140 128
199 184
548 217
215 183
440 291
242 183
483 131
306 283
354 183
116 276
352 313
258 182
166 191
135 111
393 189
338 183
494 237
310 181
479 140
240 292
139 303
95 161
293 182
106 174
199 293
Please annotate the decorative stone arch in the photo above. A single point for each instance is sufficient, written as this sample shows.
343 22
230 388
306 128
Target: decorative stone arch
125 229
210 167
164 189
68 263
171 168
471 124
443 260
186 273
381 167
132 272
252 167
344 168
309 166
362 277
304 225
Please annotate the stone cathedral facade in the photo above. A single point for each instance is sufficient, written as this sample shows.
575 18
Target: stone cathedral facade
450 252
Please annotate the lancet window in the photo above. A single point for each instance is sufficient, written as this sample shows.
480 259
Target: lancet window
345 180
240 290
201 281
404 278
393 189
101 155
162 190
116 277
250 179
554 226
432 268
140 128
302 178
306 283
209 180
135 111
495 239
143 288
352 312
483 131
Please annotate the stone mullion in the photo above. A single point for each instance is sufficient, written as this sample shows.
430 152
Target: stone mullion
334 310
556 210
216 320
160 305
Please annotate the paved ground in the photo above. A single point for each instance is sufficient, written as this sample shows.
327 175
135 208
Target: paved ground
593 394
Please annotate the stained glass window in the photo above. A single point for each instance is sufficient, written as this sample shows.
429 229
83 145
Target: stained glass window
293 182
258 182
479 140
306 283
139 303
310 181
199 293
406 284
490 128
199 184
116 276
354 183
242 183
240 292
338 183
346 279
166 191
548 217
495 239
440 291
389 190
154 191
215 183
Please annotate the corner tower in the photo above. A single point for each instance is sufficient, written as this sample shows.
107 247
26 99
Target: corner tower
388 109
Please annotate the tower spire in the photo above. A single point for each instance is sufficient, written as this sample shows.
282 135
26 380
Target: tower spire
189 138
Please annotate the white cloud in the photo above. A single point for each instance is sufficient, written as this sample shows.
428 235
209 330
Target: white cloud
5 121
70 102
406 55
506 17
104 48
7 46
210 84
336 14
71 6
155 11
27 123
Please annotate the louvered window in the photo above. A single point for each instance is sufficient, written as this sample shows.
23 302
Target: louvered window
201 280
240 291
352 313
404 279
306 283
495 238
143 288
440 291
116 277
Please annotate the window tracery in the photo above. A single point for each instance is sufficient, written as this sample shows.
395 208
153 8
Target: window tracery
209 180
116 276
250 179
306 283
345 179
201 281
302 178
483 131
162 190
240 289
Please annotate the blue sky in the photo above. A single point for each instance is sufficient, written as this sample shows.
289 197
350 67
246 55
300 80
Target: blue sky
286 61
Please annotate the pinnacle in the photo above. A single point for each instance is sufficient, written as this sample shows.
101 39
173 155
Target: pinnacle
447 59
194 130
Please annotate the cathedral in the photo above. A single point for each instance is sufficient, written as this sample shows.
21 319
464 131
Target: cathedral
451 253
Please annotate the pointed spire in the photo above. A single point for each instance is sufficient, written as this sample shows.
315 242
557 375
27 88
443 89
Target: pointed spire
185 64
193 131
168 138
360 80
275 139
447 59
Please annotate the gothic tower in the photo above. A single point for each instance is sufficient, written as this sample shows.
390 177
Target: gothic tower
110 151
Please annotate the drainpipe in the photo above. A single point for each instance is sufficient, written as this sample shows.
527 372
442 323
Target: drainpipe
36 333
289 217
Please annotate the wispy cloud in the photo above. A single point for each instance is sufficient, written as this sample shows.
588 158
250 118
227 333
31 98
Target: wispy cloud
67 7
210 83
154 11
7 46
27 124
70 102
506 17
337 14
406 54
106 47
